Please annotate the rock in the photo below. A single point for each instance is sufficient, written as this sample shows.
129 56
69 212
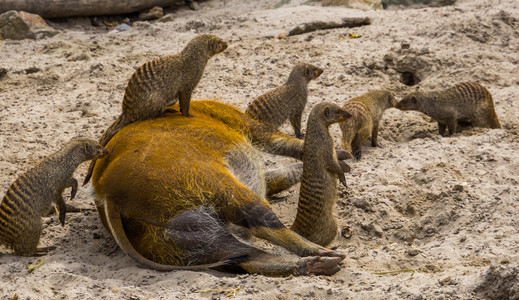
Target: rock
357 4
166 18
21 25
499 282
153 14
122 27
417 3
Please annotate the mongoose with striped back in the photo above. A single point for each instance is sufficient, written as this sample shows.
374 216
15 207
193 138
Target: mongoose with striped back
466 102
315 220
366 110
287 101
31 196
172 185
160 82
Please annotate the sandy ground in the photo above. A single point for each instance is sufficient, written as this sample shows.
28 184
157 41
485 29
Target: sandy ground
445 209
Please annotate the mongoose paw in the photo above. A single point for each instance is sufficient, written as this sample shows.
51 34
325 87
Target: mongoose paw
357 154
342 154
344 166
318 265
189 116
61 217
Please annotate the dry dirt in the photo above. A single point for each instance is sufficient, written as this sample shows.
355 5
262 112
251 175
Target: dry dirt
443 210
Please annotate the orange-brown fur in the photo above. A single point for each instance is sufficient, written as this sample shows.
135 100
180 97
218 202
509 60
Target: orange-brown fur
171 185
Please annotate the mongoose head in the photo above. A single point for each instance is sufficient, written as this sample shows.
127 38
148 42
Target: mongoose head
207 44
409 102
307 71
329 113
385 99
92 149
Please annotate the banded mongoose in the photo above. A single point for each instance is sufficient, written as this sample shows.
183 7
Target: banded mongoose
169 203
30 197
160 82
315 220
466 102
287 101
366 111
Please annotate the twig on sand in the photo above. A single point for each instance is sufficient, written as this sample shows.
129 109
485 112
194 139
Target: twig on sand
413 271
321 25
230 293
31 268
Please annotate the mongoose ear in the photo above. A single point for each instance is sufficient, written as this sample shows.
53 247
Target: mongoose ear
308 72
213 45
88 148
414 100
327 112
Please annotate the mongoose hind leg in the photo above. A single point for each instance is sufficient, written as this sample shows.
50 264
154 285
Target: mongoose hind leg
27 244
441 128
357 147
184 100
283 178
295 120
374 136
452 125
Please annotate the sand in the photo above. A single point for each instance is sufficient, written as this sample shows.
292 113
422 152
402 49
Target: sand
444 210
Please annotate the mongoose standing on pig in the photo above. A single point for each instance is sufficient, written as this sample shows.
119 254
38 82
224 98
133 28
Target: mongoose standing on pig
466 102
32 194
366 110
286 101
160 82
318 193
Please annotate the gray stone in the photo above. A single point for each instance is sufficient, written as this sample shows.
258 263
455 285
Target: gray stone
122 27
22 25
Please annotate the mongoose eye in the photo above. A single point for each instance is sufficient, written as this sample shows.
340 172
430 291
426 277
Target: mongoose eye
413 100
